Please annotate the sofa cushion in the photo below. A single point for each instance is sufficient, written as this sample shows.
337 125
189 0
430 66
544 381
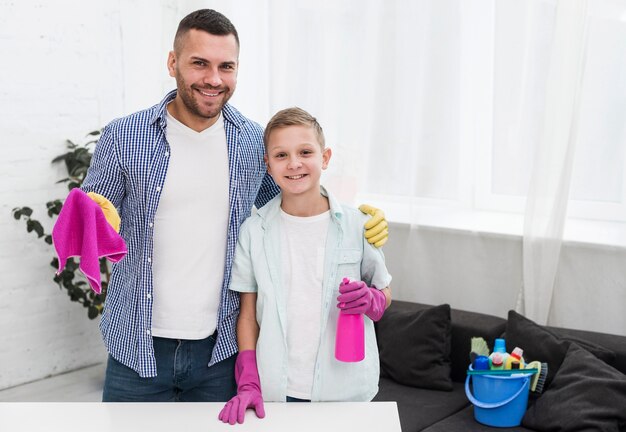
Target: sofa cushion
540 343
414 346
464 421
419 408
586 394
611 342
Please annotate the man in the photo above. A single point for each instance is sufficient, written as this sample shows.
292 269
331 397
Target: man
169 320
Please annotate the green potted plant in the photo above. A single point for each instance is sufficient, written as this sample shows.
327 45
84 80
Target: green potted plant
76 160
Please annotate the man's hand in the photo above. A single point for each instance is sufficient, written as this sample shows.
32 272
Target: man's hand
376 229
110 213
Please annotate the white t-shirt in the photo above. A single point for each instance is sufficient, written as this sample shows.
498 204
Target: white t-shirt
303 241
190 228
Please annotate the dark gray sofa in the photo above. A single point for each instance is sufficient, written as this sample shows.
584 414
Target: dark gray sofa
423 409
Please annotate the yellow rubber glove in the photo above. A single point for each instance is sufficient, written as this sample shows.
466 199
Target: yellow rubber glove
376 229
110 213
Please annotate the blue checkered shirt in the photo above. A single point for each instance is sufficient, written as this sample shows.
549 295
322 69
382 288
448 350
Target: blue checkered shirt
129 167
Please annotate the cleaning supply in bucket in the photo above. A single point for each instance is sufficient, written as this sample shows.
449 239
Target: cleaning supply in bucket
350 336
496 361
503 372
515 356
478 347
481 362
500 397
499 347
538 381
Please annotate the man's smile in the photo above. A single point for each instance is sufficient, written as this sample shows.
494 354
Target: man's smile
210 93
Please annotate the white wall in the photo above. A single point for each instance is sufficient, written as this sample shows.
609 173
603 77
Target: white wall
67 68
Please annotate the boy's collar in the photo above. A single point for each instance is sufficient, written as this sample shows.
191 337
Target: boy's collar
272 208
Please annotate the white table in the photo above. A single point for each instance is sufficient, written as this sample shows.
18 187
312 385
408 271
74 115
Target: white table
191 417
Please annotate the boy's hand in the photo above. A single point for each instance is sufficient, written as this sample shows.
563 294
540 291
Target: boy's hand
357 298
248 390
376 229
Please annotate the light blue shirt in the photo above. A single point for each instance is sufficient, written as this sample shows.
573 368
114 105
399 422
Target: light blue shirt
257 268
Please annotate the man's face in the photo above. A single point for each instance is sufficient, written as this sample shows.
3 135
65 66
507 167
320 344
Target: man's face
205 68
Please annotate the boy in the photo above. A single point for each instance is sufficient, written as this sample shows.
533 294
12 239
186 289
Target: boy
290 260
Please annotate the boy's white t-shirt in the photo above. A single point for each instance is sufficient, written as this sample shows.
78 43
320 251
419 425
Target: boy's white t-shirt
303 245
193 207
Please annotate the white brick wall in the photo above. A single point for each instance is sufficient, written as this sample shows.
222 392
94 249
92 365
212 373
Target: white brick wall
67 68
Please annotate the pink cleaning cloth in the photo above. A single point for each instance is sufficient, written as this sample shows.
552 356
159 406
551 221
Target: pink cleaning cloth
82 231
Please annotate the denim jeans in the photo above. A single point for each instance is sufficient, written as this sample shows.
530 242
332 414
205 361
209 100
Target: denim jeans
182 375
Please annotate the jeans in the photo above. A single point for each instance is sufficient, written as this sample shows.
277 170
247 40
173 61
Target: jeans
182 375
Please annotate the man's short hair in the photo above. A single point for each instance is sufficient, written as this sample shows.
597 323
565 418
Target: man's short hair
207 20
293 117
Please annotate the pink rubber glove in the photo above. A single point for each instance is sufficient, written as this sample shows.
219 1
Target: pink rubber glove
357 298
248 390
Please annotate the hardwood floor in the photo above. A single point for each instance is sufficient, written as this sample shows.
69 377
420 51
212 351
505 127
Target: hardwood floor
83 385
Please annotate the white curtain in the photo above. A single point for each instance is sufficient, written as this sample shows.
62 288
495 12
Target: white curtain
488 116
548 193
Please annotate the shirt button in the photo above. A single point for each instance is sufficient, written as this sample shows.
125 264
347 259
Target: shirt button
147 332
151 224
149 259
167 154
149 296
158 188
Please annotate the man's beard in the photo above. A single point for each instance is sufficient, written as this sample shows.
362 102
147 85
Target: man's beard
191 103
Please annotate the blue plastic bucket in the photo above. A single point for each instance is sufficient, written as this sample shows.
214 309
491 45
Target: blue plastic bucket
499 400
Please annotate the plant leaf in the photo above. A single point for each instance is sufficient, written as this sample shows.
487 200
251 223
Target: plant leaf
103 266
54 207
59 158
92 312
71 265
37 227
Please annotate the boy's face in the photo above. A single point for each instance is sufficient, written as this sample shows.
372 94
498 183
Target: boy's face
295 160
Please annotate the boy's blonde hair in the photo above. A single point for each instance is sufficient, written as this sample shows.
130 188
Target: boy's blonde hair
293 117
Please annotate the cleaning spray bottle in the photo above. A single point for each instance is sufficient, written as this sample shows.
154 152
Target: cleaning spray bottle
350 337
515 358
499 347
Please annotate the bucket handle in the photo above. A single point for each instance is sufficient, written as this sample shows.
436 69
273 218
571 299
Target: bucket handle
488 405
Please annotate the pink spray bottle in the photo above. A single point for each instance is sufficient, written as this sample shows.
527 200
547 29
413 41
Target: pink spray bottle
350 338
